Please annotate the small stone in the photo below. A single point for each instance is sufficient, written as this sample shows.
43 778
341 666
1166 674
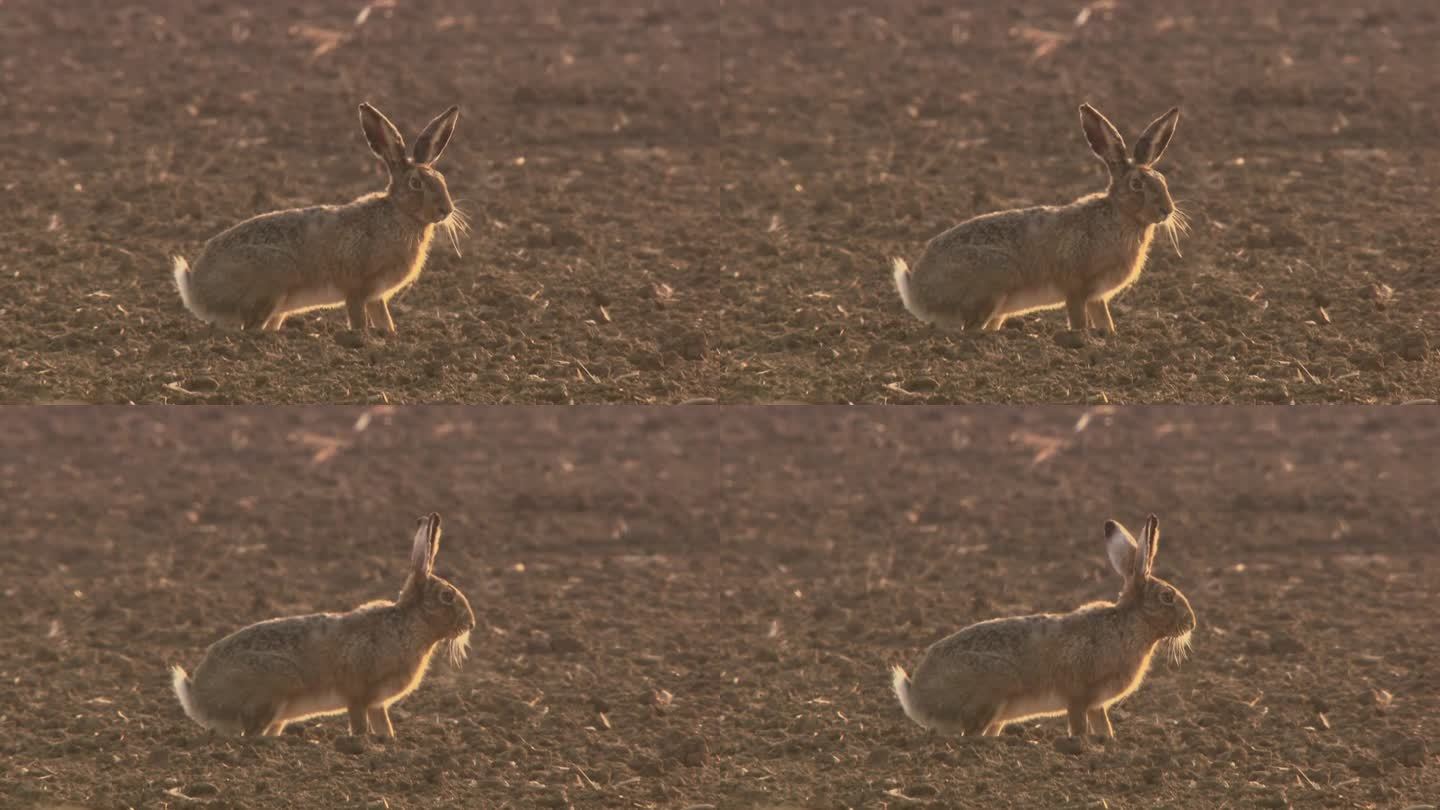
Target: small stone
352 745
879 758
1286 645
1414 346
1074 746
1070 339
921 791
689 750
566 238
1411 752
566 644
350 339
202 384
200 789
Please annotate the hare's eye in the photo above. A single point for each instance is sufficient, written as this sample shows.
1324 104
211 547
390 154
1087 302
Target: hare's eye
1136 183
446 597
415 182
1168 597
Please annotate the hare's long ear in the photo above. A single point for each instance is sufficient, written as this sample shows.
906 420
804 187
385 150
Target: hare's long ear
1104 138
1120 548
384 138
427 542
434 519
437 133
1156 137
1152 543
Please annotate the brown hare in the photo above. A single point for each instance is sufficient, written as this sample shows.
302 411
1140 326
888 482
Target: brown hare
357 255
1077 664
1078 256
274 672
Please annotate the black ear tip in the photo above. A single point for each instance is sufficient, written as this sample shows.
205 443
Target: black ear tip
1111 527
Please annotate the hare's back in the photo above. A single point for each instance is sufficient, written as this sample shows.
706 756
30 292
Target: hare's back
997 229
278 231
1001 636
289 635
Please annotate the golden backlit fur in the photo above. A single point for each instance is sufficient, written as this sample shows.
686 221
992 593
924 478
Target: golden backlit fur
1077 664
357 255
1076 256
264 676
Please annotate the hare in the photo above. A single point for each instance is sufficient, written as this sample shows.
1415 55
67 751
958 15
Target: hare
1078 256
1077 664
356 255
261 677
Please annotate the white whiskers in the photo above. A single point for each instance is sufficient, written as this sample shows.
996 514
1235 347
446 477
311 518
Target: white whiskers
1179 646
1175 226
455 226
459 648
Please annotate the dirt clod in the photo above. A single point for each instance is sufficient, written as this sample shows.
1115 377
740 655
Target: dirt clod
350 744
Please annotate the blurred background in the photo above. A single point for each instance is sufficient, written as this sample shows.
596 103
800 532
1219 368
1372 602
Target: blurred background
676 200
693 605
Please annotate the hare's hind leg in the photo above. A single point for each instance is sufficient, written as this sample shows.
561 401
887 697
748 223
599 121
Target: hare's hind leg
377 312
380 721
981 719
255 720
1079 722
981 314
1097 315
275 729
260 315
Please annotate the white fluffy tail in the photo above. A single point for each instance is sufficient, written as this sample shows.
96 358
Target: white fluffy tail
901 682
902 283
181 682
181 269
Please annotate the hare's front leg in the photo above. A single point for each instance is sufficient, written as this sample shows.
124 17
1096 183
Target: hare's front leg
380 721
1075 310
377 312
355 311
1079 723
359 720
1097 312
1100 722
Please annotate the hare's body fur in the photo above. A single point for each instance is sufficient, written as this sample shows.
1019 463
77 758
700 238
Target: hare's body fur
274 672
287 262
1077 664
1014 669
284 670
257 273
1076 256
1008 263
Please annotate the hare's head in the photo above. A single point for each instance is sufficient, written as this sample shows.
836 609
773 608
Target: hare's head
444 611
415 186
1137 188
1162 609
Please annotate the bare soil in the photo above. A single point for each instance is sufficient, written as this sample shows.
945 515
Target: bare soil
678 200
697 607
